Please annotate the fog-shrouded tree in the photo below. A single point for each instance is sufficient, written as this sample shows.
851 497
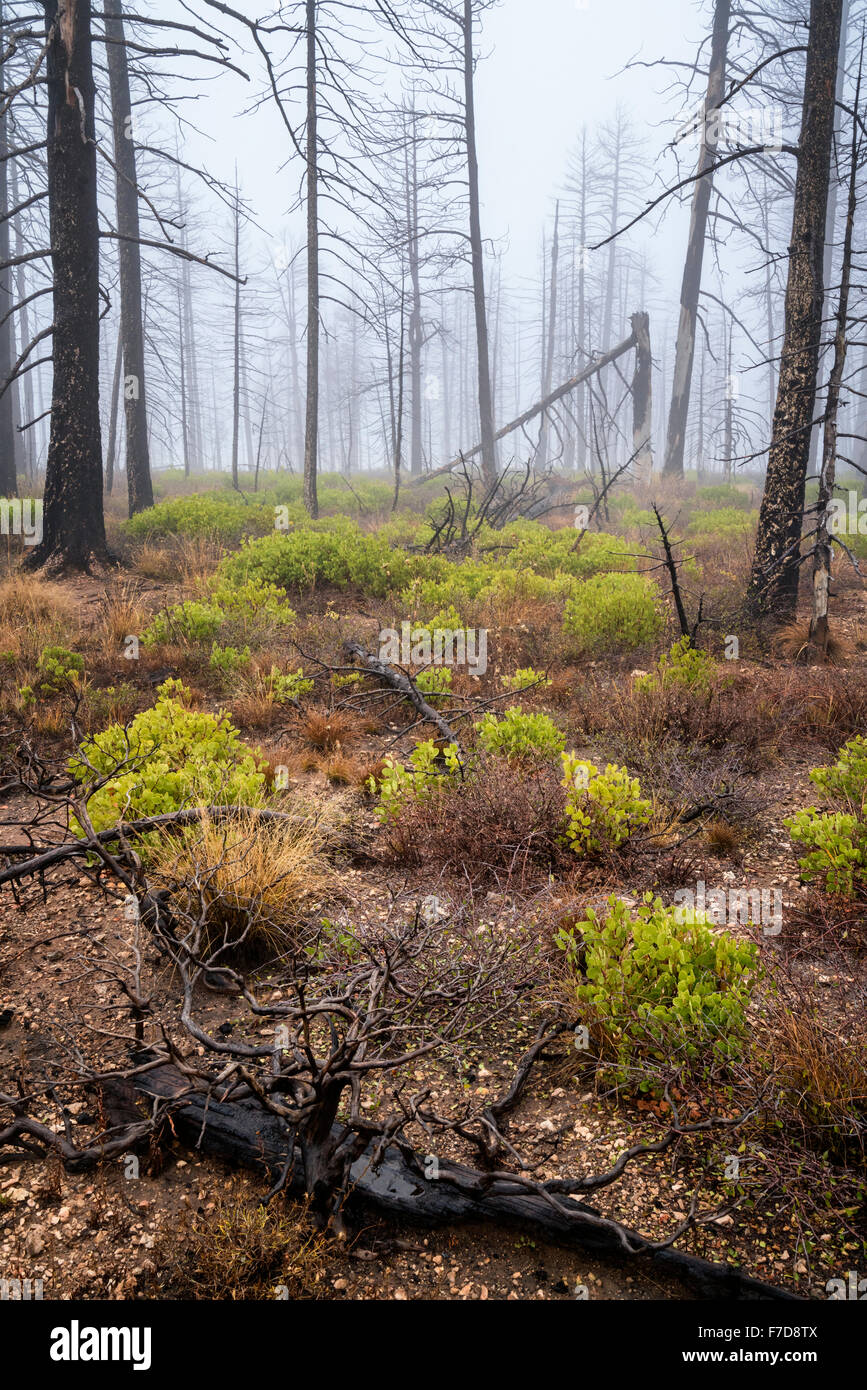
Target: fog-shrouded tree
138 472
775 572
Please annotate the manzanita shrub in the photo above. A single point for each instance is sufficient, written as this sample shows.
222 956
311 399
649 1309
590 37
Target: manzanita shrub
430 767
614 612
169 758
603 809
657 987
835 836
516 735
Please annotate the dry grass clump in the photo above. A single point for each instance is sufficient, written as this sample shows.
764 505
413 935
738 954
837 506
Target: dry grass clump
119 616
250 880
722 839
823 1079
190 559
34 614
329 731
243 1251
792 643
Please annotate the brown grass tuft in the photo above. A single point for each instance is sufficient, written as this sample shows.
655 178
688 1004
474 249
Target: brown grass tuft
255 878
328 732
792 643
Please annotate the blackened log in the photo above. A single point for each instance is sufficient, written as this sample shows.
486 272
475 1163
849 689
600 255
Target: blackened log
244 1132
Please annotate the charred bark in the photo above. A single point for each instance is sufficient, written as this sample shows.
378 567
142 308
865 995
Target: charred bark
73 522
776 563
138 470
8 479
392 1183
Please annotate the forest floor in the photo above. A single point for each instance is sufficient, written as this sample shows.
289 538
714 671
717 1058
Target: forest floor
118 1232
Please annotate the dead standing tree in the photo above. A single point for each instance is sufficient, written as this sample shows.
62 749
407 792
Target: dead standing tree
691 285
776 564
73 527
138 472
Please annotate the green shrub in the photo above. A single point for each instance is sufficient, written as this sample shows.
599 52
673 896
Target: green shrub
602 808
226 517
437 680
287 687
170 757
229 660
725 523
251 609
327 552
723 495
614 611
429 769
518 735
836 837
660 988
684 666
190 622
59 669
524 679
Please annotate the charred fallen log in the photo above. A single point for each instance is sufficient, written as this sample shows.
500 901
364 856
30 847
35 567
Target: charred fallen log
394 1184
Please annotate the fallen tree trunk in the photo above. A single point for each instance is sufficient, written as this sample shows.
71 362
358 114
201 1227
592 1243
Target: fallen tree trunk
597 365
402 684
245 1132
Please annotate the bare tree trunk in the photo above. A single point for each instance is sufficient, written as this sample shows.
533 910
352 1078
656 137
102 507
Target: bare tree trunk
831 217
28 443
138 470
776 569
311 432
73 521
486 403
819 627
416 326
548 369
182 382
8 479
236 383
642 399
691 284
111 451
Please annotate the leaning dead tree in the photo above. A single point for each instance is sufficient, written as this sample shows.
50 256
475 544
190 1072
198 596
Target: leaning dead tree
641 391
691 283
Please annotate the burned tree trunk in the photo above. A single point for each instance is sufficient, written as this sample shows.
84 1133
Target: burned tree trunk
73 522
311 431
691 284
111 451
8 481
819 624
138 469
642 398
776 563
486 399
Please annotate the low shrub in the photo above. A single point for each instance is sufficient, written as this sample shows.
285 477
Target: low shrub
655 987
169 757
603 809
836 837
517 735
429 768
614 611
